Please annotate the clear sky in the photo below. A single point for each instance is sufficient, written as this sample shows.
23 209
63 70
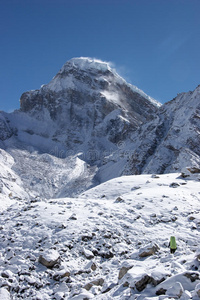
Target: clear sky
154 44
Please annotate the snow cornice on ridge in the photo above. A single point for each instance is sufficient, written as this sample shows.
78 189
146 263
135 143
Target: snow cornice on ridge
90 63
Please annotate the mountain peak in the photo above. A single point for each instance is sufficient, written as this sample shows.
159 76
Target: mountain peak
86 63
89 71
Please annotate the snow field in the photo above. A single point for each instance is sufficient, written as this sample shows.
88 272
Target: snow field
97 234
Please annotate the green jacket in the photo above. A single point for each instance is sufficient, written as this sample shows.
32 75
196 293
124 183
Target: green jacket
172 242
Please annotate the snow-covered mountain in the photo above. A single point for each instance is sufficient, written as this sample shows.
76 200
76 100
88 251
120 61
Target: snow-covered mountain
88 125
63 131
87 106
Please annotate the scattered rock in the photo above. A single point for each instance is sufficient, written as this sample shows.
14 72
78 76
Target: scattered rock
138 278
95 252
49 258
107 235
189 171
61 274
142 283
174 185
149 250
73 217
123 271
193 276
135 188
185 173
154 176
7 274
97 282
188 279
87 237
91 265
194 170
107 287
106 255
119 200
158 277
88 254
62 226
126 284
161 291
139 206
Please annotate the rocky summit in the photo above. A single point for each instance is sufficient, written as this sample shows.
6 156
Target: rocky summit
88 106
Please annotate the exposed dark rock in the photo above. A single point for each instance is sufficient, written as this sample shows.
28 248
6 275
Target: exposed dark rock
97 282
106 255
142 283
161 291
194 170
193 276
5 131
174 185
149 250
49 258
119 199
123 272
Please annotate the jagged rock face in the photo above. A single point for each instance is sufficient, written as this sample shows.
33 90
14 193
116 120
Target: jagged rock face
172 140
5 130
89 103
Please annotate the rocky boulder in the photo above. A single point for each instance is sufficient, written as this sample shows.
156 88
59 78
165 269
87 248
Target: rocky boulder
149 250
49 258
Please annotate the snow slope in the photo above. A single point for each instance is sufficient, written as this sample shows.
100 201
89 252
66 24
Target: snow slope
11 187
100 239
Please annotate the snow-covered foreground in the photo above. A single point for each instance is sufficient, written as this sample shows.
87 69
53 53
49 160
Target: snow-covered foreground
110 243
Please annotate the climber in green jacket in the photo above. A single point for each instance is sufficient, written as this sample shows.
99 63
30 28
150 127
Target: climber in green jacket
172 244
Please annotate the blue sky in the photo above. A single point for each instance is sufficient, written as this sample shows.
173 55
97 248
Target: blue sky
154 44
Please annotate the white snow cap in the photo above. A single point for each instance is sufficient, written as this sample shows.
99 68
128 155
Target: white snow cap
90 63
